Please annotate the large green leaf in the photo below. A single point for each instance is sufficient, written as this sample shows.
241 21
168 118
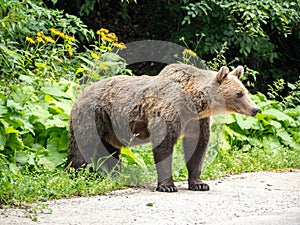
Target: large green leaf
40 112
294 112
287 139
64 142
275 124
3 110
234 134
55 122
63 107
54 152
2 138
26 79
246 123
110 57
275 113
15 142
271 142
230 118
49 165
24 94
54 91
21 157
23 123
255 141
127 152
14 105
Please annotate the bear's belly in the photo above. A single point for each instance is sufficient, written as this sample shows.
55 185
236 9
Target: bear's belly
137 135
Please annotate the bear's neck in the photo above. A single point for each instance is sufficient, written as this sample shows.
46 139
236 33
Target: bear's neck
198 96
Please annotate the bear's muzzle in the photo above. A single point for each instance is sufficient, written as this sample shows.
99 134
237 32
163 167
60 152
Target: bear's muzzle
255 111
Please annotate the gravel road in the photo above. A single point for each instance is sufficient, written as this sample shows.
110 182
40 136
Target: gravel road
265 198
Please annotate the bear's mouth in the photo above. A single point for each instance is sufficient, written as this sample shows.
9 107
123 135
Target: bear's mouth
253 112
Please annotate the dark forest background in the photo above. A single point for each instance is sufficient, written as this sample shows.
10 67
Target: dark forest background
262 35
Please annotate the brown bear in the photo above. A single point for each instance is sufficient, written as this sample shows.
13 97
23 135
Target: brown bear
128 110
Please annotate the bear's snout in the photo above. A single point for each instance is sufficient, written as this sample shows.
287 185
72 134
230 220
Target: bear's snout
255 111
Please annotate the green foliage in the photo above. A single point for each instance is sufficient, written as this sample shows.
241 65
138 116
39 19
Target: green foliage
276 92
47 46
18 187
34 122
41 66
246 25
260 34
24 18
37 91
87 6
274 128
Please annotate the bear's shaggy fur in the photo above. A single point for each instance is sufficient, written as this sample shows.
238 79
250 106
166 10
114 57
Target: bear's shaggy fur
127 110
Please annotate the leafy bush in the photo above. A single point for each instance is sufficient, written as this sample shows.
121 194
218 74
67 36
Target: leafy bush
34 122
274 128
42 63
41 67
245 25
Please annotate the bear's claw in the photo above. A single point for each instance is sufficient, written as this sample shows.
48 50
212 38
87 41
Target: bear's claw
199 187
171 188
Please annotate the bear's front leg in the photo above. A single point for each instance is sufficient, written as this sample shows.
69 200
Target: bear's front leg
163 163
195 147
163 151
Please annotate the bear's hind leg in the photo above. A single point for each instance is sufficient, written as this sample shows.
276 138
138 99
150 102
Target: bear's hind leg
75 158
195 149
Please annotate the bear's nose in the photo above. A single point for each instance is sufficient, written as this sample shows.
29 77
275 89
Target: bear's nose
255 111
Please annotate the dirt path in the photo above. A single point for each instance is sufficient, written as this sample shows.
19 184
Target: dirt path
250 198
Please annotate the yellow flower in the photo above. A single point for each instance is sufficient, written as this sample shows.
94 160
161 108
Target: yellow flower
80 70
49 39
102 66
30 40
110 37
119 45
62 35
102 31
70 50
69 38
94 55
40 34
53 79
40 40
189 52
54 31
103 37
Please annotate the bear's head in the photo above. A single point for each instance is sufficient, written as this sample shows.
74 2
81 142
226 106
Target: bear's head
231 96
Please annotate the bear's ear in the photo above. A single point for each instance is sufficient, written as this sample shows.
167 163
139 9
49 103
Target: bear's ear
222 74
238 72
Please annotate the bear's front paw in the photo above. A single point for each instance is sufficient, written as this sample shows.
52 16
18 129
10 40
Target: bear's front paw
199 187
165 188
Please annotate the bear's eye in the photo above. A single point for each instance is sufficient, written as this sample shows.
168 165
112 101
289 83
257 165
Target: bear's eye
239 94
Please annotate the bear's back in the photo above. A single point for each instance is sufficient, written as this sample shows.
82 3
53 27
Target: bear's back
183 72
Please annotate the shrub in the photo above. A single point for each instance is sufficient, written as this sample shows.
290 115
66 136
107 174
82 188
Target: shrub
41 67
